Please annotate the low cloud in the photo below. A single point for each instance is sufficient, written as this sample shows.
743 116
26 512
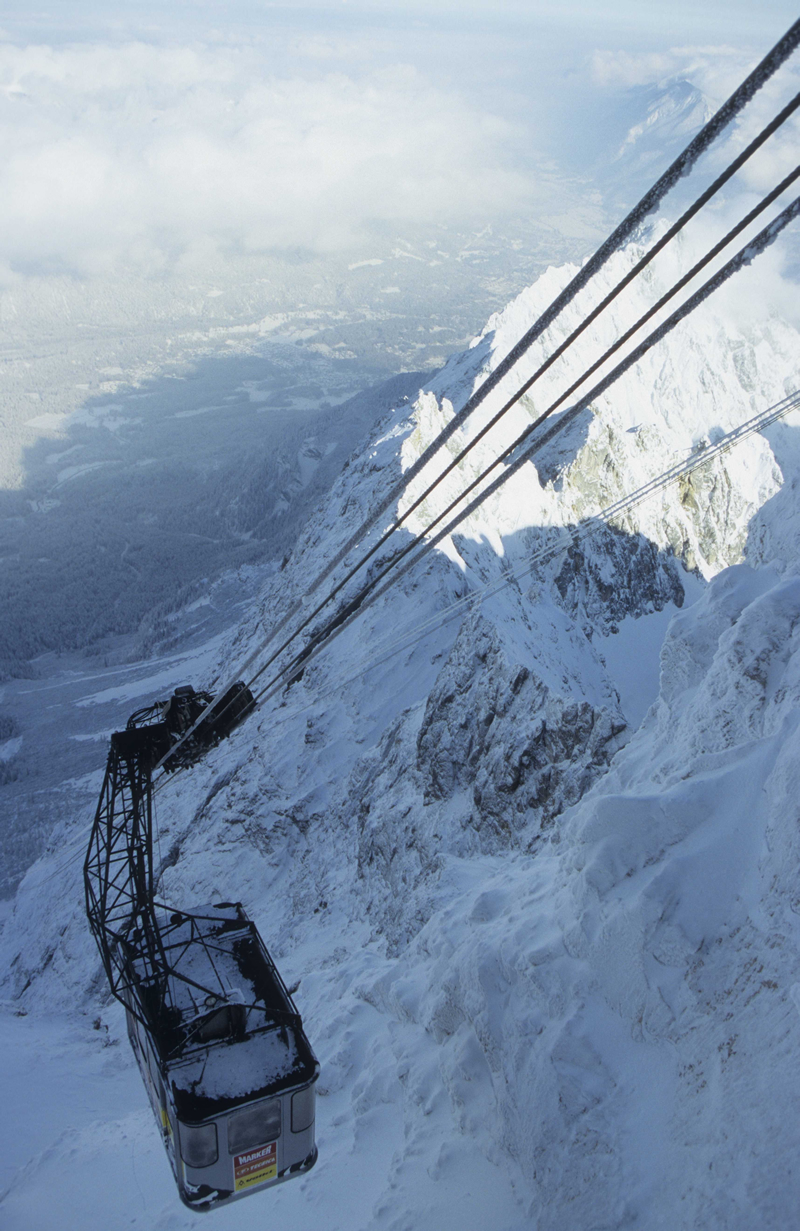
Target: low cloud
135 156
138 154
707 66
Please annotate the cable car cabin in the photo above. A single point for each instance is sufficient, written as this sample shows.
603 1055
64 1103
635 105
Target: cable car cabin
230 1074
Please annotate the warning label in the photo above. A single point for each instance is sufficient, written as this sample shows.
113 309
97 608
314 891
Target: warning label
255 1166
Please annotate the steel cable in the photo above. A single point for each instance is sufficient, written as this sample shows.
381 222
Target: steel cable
678 169
415 469
684 163
700 457
370 593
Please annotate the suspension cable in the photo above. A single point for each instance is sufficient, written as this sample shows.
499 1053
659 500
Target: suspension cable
393 646
680 167
455 462
370 592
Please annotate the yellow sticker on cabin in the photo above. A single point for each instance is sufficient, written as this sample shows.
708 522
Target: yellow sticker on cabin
255 1167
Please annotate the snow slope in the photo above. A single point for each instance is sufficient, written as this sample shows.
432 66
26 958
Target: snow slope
546 952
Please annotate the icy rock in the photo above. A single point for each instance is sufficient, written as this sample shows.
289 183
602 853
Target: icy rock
615 576
492 723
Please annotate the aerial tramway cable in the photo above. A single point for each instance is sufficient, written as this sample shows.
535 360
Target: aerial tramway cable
395 644
371 592
459 418
680 167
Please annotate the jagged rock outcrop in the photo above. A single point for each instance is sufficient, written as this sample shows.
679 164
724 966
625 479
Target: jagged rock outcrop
615 576
493 725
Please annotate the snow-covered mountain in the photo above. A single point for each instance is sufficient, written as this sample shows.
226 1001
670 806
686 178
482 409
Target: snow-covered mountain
532 870
663 119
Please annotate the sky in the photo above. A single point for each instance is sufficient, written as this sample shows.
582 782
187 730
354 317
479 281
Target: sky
138 141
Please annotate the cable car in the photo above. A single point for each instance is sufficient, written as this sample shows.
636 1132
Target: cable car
230 1076
220 1044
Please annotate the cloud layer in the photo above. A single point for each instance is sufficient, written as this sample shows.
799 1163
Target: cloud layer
155 153
140 153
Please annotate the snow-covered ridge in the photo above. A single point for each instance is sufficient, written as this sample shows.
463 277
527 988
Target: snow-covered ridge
707 377
546 957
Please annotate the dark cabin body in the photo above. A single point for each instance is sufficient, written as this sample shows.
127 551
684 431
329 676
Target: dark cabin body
230 1077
